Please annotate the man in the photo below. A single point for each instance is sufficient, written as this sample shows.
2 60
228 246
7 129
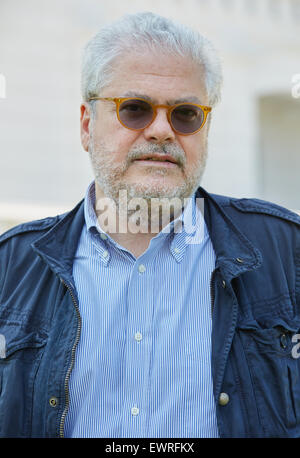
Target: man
127 317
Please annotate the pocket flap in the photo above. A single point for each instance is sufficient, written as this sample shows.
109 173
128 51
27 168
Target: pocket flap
292 325
15 336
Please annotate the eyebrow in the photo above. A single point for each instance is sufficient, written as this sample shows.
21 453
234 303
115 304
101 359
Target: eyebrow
188 99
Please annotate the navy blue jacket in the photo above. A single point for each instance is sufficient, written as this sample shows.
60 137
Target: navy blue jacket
255 290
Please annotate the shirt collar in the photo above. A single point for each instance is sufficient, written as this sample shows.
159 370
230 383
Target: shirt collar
188 228
94 230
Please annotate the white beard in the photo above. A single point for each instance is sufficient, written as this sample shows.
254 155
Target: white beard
110 177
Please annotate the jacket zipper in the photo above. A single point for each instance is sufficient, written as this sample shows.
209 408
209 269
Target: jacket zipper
66 383
212 291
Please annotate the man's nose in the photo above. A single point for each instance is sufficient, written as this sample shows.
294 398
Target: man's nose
160 129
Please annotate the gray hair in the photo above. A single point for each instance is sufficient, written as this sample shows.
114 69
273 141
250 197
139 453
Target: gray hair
134 33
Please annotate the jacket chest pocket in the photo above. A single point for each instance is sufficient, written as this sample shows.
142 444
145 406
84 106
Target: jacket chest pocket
21 350
275 375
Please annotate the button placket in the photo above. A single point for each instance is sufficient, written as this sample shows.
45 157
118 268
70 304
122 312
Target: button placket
138 347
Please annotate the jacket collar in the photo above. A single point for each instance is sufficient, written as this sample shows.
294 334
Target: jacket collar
234 252
57 247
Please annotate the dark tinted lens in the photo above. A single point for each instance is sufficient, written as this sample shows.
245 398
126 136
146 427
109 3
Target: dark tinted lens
187 118
135 113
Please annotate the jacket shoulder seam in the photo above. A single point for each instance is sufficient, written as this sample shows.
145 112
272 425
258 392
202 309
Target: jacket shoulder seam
31 226
264 207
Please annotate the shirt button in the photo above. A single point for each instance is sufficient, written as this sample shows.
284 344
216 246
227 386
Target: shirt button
176 250
135 411
103 236
223 399
142 268
105 253
138 336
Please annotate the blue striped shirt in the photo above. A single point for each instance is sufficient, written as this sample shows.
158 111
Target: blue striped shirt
143 362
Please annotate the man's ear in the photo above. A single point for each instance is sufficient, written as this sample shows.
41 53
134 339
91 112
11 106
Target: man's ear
85 125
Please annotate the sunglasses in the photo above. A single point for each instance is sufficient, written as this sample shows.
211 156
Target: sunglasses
137 114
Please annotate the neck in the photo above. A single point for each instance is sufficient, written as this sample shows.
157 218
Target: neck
132 223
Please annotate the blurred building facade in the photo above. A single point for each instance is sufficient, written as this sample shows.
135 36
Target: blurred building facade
254 138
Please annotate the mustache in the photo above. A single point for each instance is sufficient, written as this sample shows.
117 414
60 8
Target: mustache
174 151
